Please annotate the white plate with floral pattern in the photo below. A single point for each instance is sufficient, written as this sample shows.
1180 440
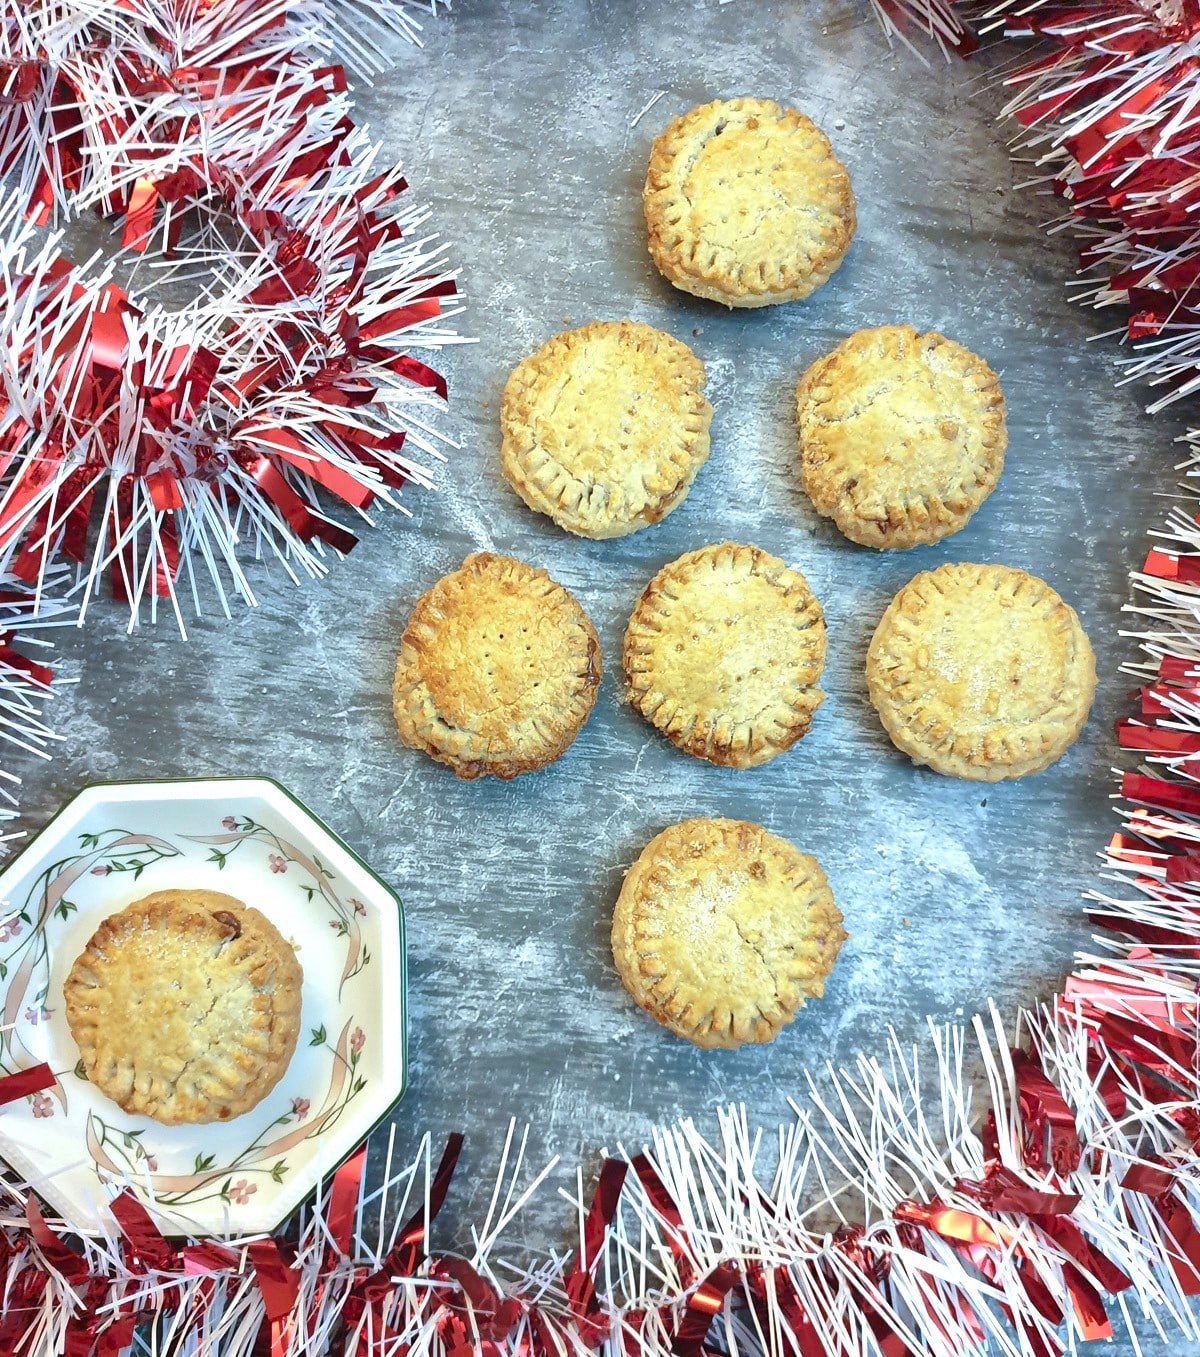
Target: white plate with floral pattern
250 838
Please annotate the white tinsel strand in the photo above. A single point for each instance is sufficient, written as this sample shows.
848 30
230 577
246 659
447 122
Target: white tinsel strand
293 182
360 24
25 733
911 21
1107 112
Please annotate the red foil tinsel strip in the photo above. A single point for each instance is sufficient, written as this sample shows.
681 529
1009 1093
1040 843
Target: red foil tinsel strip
580 1283
65 1261
660 1199
25 1083
1157 792
147 1245
1048 1119
411 1242
762 1283
703 1306
343 1199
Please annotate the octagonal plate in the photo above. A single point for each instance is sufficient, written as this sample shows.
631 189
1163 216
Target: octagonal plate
117 842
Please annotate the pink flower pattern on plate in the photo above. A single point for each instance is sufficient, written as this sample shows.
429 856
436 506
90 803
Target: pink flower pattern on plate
242 1191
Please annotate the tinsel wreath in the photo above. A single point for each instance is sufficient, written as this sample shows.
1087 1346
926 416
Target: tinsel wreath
165 446
883 1222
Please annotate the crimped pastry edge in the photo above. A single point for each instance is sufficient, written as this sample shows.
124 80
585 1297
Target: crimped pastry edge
675 256
639 886
1034 752
420 726
906 527
793 719
266 1069
525 464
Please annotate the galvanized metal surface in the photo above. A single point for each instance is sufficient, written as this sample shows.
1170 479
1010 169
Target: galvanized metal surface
520 123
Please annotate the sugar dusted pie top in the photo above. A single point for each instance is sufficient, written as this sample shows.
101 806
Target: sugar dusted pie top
185 1006
498 669
723 654
981 671
902 435
722 931
604 428
746 203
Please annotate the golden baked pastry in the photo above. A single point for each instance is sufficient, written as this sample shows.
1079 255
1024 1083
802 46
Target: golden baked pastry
981 671
902 435
604 427
746 203
723 653
722 931
498 669
185 1006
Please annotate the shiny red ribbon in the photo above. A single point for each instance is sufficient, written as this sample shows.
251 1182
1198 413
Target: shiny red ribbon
280 1285
1157 1182
703 1306
19 81
1155 791
660 1199
980 1242
873 1266
304 521
580 1281
1155 740
478 1314
764 1284
148 1247
65 1261
207 1256
25 1083
1049 1122
343 1200
1001 1189
410 1245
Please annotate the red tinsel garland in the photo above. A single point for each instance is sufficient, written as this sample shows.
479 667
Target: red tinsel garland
153 443
1111 109
1081 1184
1076 1192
